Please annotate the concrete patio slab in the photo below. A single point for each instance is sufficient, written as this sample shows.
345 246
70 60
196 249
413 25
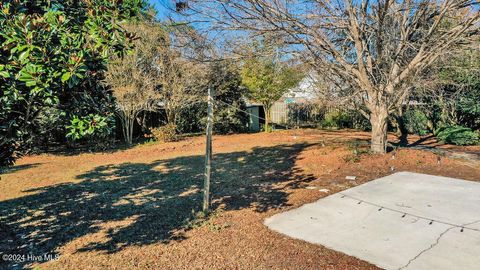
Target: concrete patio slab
402 221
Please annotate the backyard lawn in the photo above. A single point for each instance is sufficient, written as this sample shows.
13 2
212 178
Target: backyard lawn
138 208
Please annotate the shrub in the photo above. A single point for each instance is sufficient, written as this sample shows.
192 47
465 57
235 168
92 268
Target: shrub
468 108
457 135
359 121
227 119
166 133
416 122
192 118
337 119
8 153
49 129
229 95
304 114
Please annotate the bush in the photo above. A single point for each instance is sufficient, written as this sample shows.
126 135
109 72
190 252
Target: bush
416 122
359 121
8 153
49 129
457 135
468 108
166 133
192 118
337 119
304 114
227 119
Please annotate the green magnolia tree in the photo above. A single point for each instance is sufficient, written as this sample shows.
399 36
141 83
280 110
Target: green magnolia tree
49 48
267 79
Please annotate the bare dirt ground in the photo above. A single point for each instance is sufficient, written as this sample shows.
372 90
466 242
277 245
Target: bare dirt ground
136 208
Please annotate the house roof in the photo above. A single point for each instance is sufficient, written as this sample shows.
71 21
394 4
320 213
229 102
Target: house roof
305 91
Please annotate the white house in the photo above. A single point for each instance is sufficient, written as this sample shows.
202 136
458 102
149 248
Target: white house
306 91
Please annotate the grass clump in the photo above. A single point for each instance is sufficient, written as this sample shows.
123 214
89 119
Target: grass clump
358 149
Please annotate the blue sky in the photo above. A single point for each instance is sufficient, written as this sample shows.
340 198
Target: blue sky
162 7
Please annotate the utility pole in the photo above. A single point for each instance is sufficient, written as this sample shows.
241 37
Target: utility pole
208 153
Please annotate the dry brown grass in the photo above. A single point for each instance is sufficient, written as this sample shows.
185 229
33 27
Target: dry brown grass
137 208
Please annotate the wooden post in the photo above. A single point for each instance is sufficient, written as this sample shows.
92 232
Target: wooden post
208 154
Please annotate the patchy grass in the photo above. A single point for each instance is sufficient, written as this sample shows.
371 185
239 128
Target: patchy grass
140 208
358 149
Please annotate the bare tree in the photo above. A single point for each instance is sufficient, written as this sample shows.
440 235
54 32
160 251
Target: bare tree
156 75
133 77
376 48
180 81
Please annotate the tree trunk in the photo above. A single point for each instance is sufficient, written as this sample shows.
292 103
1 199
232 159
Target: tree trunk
378 120
402 131
267 118
142 122
170 113
131 122
127 120
126 130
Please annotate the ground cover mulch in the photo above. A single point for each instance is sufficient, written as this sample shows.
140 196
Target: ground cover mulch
139 208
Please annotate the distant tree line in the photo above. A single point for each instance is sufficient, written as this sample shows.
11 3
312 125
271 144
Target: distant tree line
373 52
93 73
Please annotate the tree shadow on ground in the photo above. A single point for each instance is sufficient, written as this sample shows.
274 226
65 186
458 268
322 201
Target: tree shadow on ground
63 150
424 141
16 168
149 202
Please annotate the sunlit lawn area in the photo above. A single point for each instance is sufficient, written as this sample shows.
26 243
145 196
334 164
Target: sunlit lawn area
139 207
